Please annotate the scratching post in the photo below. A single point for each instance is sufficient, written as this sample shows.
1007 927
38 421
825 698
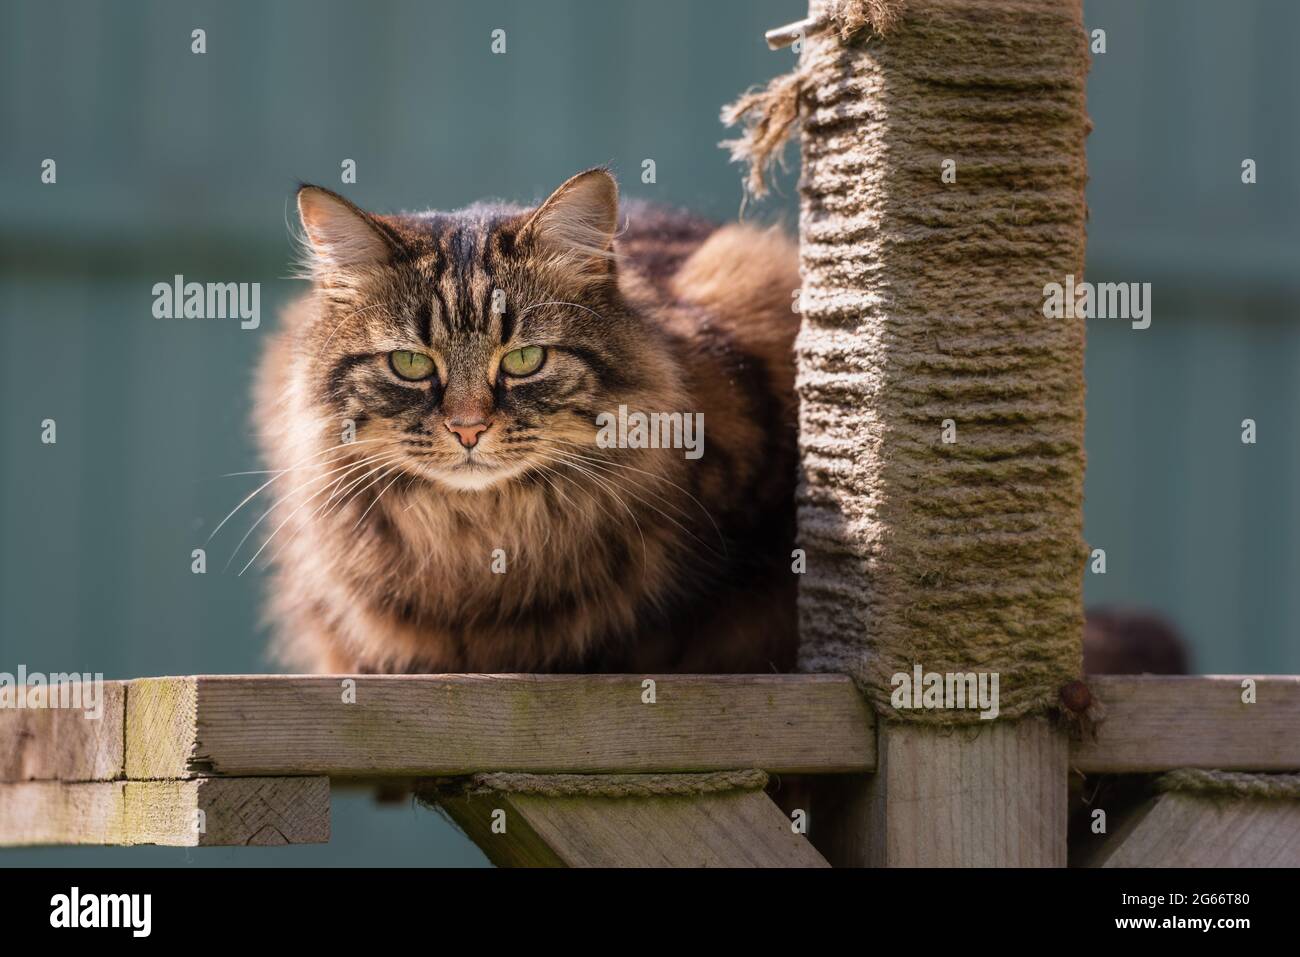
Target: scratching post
922 306
941 422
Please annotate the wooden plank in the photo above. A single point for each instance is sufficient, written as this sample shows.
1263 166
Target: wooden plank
235 811
41 744
520 846
732 829
1160 722
446 725
990 796
1187 830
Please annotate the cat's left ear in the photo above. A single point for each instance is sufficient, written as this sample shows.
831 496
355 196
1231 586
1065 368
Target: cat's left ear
342 236
575 226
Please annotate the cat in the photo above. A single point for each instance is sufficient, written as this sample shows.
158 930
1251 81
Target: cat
432 406
1128 641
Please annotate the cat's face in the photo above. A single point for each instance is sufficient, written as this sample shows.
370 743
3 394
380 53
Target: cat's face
468 348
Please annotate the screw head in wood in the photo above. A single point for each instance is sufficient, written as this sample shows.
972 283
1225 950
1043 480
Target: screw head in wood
1076 697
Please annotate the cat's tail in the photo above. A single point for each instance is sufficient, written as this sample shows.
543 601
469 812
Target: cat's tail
1119 641
745 274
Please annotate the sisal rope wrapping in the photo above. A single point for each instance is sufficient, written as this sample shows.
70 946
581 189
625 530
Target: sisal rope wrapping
922 301
1230 784
610 785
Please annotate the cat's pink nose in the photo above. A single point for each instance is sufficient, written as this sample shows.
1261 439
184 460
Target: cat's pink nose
467 432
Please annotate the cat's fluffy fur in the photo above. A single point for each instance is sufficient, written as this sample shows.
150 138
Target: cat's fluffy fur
388 548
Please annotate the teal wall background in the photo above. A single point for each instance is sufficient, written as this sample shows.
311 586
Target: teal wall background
169 162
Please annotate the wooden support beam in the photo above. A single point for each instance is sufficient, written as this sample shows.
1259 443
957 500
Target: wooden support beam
45 744
989 796
234 811
445 725
1190 830
1158 722
732 829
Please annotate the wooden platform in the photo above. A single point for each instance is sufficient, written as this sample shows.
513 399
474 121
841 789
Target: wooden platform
208 760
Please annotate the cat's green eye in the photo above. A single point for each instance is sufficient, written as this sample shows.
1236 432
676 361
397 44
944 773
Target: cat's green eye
411 365
523 361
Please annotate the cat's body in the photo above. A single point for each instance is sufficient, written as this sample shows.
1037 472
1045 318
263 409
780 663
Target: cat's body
532 548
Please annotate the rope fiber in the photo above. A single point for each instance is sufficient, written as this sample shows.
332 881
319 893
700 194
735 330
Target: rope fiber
607 785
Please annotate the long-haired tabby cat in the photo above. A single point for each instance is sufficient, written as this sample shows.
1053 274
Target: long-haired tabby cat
431 408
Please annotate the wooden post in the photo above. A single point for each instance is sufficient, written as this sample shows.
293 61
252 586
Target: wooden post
941 410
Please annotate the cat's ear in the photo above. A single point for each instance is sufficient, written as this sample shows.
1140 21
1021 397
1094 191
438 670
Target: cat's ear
575 226
341 236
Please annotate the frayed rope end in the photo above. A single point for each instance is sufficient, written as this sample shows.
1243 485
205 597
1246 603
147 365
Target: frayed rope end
771 113
851 17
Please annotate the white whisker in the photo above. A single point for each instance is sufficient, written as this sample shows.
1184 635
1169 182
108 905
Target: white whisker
342 468
649 505
667 481
561 302
609 489
347 318
286 521
278 472
333 490
380 495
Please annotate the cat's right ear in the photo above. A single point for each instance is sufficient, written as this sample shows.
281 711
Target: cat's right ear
574 229
341 236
